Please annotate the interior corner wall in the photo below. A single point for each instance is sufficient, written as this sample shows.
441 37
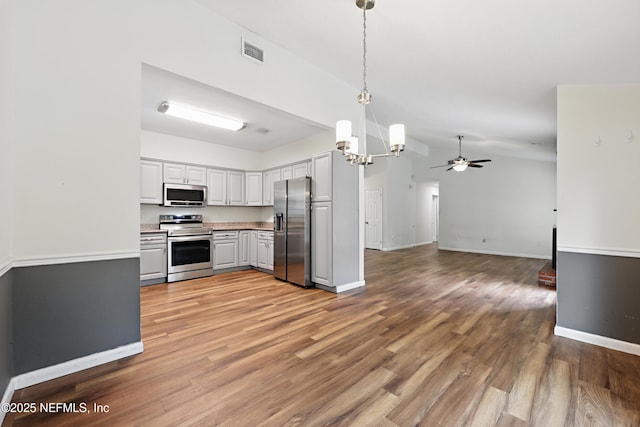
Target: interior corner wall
598 279
395 177
6 193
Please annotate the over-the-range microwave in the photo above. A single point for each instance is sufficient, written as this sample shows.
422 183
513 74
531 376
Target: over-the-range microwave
186 195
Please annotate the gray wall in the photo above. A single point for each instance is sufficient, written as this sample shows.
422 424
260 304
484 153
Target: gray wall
599 294
66 311
6 367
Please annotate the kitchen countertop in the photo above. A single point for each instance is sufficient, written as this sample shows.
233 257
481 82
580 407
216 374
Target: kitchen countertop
217 226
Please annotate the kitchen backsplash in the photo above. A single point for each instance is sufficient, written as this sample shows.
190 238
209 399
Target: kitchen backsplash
149 214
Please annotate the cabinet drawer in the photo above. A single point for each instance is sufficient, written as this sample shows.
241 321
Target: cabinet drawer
223 235
265 235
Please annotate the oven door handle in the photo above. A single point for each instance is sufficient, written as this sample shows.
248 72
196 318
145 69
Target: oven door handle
190 238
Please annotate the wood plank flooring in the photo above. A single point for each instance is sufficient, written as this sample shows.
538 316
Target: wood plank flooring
435 338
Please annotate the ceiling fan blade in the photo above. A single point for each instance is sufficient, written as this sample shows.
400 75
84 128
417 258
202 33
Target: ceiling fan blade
473 165
440 166
450 168
480 161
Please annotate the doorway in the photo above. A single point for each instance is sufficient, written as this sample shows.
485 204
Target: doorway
435 217
373 219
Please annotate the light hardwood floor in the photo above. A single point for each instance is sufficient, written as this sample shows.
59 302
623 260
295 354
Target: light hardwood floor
435 338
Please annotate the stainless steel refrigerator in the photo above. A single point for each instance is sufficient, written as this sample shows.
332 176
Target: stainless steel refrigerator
292 231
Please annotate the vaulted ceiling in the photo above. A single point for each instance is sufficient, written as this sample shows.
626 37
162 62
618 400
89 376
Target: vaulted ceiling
487 70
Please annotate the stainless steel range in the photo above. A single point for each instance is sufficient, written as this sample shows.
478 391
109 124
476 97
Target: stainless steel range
190 247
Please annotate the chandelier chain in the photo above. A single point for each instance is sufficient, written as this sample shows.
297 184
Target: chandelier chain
364 48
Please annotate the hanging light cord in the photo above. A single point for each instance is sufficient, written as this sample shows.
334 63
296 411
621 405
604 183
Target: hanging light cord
364 47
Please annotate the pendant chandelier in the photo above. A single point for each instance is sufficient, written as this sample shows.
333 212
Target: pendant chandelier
348 143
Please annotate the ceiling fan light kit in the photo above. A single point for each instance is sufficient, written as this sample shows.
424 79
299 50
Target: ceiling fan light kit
460 164
345 140
199 116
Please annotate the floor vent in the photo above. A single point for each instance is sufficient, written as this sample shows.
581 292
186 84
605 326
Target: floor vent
252 51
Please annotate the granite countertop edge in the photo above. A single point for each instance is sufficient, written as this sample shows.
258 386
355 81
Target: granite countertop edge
217 226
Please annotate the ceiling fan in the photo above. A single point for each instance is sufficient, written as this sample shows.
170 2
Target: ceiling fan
460 163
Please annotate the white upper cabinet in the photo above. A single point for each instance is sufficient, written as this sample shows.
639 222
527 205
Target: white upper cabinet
286 172
216 187
150 182
225 187
235 188
254 188
322 176
184 174
268 178
301 170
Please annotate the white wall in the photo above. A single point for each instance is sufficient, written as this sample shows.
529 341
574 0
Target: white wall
598 204
395 177
299 150
76 125
509 203
6 176
77 110
172 148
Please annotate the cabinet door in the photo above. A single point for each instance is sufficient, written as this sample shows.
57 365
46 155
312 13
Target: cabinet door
254 188
286 172
321 252
321 182
268 178
195 175
235 188
300 170
225 254
150 182
216 187
153 263
253 248
174 173
270 255
263 253
244 247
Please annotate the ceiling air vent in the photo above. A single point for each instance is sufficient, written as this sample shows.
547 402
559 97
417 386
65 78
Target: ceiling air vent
252 51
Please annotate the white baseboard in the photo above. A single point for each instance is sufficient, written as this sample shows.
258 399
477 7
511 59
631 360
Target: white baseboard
598 340
476 251
341 288
76 365
395 248
6 399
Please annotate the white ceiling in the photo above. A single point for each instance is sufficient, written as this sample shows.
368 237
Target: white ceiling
487 70
266 127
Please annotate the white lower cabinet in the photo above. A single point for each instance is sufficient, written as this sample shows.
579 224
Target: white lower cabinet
265 250
225 249
321 255
244 248
253 248
153 257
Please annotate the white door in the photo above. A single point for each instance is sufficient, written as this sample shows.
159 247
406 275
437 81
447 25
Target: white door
373 219
435 217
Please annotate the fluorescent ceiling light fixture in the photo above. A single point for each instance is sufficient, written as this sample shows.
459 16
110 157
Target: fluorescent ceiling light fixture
199 116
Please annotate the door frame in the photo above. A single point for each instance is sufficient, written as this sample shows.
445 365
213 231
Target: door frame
367 243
